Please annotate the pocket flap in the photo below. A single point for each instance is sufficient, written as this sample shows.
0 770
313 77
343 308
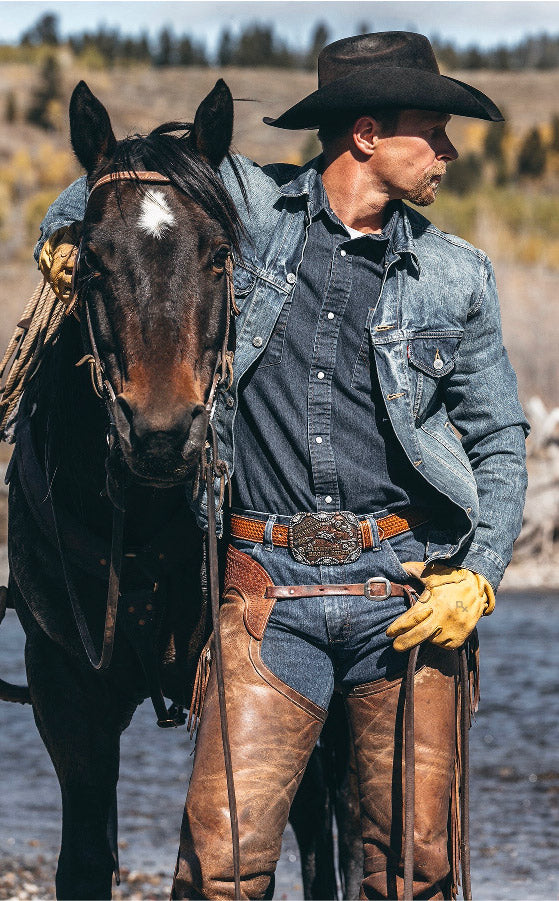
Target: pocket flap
434 352
243 279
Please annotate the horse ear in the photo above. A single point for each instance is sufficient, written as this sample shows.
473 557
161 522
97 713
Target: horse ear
213 124
90 128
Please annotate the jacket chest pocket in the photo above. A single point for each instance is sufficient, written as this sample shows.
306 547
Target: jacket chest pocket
244 281
432 356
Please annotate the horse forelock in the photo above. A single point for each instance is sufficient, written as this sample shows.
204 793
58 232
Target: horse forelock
175 157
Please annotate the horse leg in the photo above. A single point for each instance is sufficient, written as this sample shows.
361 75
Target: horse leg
80 727
311 819
330 787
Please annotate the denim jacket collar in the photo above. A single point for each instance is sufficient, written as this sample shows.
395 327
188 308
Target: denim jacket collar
303 184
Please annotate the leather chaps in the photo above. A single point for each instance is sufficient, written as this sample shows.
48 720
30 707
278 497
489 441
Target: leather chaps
273 730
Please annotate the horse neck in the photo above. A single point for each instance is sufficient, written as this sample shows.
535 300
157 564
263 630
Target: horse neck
70 429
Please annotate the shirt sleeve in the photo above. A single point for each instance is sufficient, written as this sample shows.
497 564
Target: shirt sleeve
67 208
482 403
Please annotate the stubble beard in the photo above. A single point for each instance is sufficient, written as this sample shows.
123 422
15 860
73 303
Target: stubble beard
424 192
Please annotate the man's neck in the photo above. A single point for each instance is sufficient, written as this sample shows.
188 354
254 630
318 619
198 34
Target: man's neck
352 196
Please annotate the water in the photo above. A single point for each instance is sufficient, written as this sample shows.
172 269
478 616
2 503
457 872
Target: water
514 767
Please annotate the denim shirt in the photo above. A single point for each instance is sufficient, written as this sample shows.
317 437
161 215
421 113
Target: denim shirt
449 389
311 402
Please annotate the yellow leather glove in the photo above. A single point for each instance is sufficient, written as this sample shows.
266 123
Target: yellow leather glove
446 611
57 259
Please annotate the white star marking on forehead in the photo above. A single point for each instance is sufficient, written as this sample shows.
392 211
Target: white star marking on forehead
156 216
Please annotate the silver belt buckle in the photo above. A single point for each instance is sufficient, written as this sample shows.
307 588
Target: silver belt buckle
377 597
325 539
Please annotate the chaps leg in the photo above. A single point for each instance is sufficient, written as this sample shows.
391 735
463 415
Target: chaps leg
272 730
376 719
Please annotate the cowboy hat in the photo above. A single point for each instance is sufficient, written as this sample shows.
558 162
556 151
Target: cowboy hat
385 69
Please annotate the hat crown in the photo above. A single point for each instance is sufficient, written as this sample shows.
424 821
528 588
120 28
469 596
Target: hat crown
383 49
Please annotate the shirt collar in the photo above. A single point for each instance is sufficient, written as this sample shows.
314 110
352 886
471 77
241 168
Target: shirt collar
308 182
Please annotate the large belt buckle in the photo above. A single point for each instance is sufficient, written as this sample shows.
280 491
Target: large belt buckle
325 539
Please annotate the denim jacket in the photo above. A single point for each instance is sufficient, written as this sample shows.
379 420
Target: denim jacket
435 333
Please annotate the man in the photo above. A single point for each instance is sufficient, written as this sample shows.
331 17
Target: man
367 342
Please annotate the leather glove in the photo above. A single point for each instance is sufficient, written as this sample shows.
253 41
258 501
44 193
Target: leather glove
57 259
447 610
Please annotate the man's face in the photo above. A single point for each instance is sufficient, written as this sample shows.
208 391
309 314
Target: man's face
411 162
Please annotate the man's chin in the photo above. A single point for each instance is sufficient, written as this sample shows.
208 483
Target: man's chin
422 198
422 201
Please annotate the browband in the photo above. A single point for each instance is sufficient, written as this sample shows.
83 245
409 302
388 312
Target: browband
155 178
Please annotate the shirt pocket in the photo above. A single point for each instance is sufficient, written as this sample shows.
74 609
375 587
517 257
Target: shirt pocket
432 356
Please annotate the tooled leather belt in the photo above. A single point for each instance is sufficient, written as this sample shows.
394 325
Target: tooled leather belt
327 539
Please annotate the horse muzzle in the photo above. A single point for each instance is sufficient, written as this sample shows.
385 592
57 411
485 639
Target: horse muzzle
162 449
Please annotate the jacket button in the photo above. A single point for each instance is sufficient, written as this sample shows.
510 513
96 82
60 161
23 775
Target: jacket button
291 278
229 402
257 341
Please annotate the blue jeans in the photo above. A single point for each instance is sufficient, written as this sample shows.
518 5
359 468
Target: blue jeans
314 644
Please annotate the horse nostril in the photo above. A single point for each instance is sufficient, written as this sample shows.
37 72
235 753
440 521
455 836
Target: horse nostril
196 410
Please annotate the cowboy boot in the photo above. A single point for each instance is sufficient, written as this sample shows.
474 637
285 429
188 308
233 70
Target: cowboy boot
272 730
376 712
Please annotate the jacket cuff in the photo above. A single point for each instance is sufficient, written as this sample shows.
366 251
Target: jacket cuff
483 561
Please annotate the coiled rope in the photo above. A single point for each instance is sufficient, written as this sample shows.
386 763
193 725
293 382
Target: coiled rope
36 330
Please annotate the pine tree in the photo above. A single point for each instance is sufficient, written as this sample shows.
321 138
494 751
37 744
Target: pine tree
226 50
10 113
532 157
46 95
318 42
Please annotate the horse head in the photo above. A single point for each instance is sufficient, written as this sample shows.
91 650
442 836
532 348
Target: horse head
152 276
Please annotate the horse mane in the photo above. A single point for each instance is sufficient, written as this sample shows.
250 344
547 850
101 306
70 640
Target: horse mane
176 157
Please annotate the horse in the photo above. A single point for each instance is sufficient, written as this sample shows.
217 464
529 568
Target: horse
117 436
152 294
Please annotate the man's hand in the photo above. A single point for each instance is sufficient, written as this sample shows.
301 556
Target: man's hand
447 611
57 260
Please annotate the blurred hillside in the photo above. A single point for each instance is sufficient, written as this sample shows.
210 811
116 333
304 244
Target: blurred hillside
512 214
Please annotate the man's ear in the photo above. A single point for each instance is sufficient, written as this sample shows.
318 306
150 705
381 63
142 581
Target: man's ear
90 128
366 134
213 124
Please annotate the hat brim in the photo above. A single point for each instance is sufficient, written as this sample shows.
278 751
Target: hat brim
399 87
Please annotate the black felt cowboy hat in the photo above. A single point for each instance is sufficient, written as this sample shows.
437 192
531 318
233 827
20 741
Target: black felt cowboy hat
386 69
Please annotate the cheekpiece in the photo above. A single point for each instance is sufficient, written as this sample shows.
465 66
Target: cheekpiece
325 539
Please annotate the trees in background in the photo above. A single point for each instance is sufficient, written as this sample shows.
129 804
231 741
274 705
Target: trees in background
532 156
257 44
45 106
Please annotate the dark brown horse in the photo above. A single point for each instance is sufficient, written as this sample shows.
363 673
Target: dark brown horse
152 293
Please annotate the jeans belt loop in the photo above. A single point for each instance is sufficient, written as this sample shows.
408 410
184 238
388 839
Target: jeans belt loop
267 541
374 531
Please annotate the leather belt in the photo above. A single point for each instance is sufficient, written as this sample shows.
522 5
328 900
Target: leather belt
376 587
342 527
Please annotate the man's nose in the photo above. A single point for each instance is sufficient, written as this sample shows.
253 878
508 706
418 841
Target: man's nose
448 151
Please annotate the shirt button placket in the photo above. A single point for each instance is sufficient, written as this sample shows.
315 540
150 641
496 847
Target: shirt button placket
320 377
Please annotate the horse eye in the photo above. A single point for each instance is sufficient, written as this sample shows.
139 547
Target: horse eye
219 258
